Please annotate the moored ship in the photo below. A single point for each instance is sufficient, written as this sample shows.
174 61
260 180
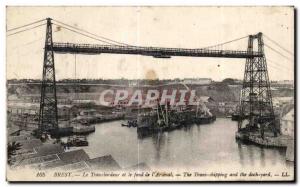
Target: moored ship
166 118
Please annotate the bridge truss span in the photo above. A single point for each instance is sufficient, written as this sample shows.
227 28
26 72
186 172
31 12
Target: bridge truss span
157 52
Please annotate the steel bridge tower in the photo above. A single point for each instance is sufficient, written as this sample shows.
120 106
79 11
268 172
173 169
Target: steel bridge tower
256 99
48 122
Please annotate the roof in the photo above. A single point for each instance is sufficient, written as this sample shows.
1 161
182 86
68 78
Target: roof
38 160
78 166
289 116
30 144
48 149
106 162
73 156
17 138
67 158
43 150
286 108
53 164
60 160
13 129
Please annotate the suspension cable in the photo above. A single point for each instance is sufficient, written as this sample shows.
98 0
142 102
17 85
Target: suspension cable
121 43
82 30
83 34
278 68
25 25
280 46
26 29
225 42
278 52
278 64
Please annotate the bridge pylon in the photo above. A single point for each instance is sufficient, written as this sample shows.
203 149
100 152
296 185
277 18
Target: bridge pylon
256 99
48 122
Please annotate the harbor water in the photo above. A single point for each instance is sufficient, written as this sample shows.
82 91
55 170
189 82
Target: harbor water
197 146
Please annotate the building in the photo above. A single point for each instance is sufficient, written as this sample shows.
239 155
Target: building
133 83
285 82
287 123
281 101
32 109
67 111
200 81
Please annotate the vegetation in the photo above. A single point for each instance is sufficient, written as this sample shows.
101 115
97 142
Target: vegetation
12 151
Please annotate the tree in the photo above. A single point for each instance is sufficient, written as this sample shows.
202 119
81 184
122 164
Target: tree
12 151
228 81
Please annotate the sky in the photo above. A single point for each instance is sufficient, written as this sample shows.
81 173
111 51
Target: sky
178 27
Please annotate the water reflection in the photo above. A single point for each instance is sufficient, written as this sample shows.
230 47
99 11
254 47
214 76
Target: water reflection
262 157
250 153
159 142
241 153
253 154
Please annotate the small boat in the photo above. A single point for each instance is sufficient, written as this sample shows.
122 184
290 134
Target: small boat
235 117
174 126
77 141
124 125
130 123
83 129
